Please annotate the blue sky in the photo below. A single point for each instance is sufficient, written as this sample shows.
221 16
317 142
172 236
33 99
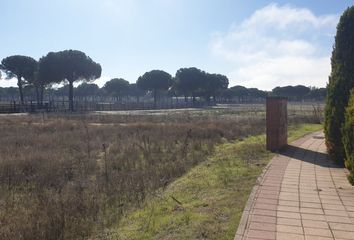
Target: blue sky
255 43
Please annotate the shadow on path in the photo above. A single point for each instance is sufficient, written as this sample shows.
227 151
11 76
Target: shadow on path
310 156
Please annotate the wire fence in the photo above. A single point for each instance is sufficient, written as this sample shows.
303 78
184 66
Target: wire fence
88 106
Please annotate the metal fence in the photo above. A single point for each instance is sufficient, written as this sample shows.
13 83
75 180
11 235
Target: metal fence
85 106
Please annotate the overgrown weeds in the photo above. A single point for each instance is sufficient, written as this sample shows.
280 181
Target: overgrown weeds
211 196
65 178
72 176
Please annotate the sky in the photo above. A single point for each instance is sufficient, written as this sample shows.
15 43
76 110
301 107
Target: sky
256 43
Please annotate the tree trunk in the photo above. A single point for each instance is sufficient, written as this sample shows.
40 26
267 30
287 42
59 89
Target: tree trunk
155 96
19 84
37 96
71 96
41 94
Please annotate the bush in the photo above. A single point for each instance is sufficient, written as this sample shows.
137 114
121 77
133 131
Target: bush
340 83
348 136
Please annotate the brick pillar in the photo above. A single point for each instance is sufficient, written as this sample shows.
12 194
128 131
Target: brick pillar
277 123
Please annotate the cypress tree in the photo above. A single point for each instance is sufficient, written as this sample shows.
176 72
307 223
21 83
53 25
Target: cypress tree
340 83
348 137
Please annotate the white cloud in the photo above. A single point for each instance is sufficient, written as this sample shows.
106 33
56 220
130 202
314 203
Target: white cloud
102 80
8 82
13 82
281 17
278 45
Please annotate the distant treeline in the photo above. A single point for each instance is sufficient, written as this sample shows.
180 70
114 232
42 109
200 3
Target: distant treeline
123 91
35 80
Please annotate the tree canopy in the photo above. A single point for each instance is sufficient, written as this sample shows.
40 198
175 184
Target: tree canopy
189 81
212 85
21 67
292 92
71 66
135 91
154 81
117 87
87 89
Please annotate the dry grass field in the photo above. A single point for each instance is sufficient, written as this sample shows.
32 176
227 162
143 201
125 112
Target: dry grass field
73 176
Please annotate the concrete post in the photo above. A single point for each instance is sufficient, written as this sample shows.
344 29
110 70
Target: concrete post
277 123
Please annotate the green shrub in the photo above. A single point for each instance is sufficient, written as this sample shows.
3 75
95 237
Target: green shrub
340 83
348 137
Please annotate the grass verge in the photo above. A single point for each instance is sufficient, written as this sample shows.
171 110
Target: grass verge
208 201
298 131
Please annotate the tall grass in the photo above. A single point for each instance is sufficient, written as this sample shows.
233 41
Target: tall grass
65 178
72 176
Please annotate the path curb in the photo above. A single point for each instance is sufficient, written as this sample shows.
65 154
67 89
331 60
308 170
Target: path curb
242 227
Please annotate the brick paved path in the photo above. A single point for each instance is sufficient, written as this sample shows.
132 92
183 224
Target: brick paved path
302 195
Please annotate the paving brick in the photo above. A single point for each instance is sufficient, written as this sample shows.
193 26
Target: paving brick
289 190
338 219
342 226
288 194
310 200
349 208
309 195
348 203
288 215
263 226
289 221
289 236
310 205
311 237
268 196
314 224
288 209
330 201
289 203
318 232
266 191
289 229
343 234
261 234
288 198
333 207
351 214
262 218
290 186
264 212
330 197
311 210
336 213
309 216
265 206
267 201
